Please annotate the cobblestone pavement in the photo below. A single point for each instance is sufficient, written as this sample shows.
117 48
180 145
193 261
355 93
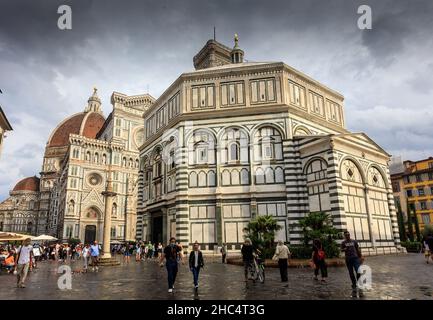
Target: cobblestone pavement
394 277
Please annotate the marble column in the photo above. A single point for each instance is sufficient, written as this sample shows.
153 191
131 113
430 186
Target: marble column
108 195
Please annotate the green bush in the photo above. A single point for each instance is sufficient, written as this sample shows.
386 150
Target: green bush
261 231
412 246
318 225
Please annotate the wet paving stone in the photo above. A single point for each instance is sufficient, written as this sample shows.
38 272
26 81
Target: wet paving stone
393 277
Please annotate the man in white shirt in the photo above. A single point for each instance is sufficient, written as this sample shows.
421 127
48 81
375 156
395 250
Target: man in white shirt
24 257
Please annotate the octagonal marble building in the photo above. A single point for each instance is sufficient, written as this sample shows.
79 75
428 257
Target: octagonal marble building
234 139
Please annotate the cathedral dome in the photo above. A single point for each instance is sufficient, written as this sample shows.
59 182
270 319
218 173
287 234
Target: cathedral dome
27 184
86 124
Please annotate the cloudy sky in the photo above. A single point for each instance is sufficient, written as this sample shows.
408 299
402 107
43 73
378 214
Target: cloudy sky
130 46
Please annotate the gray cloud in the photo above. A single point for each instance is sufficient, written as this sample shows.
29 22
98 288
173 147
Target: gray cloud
47 74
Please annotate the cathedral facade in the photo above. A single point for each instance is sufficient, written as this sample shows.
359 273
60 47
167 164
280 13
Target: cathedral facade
81 152
234 139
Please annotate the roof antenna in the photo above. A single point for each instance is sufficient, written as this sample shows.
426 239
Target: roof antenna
214 33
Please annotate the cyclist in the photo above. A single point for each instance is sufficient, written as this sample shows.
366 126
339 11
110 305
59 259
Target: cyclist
247 256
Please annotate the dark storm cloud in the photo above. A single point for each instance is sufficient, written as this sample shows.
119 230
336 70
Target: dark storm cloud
128 46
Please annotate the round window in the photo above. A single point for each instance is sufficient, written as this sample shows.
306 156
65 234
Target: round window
94 179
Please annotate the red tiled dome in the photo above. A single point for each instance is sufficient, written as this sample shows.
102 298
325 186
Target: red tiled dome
87 124
27 184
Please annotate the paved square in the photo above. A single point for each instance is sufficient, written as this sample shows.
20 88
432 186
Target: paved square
394 277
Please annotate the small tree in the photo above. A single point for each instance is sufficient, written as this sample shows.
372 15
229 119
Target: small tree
261 230
400 219
409 222
417 231
318 225
428 229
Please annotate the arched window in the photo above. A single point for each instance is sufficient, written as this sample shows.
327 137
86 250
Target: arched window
268 144
104 159
193 179
211 178
202 179
124 162
96 158
225 177
301 131
260 176
279 175
235 179
245 177
234 151
234 146
201 154
201 148
88 156
269 175
32 205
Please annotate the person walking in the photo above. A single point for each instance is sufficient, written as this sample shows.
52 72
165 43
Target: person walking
24 258
247 256
126 253
170 255
318 259
94 254
137 252
354 260
429 243
282 255
223 252
85 254
196 262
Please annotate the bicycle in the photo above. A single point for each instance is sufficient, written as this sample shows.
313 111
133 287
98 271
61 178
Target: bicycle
257 269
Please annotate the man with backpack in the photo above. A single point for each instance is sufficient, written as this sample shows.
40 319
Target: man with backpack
171 254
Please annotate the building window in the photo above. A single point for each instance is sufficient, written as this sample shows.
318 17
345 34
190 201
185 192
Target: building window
316 102
202 154
113 232
297 94
262 90
430 175
425 218
234 151
406 179
430 165
409 193
418 178
396 186
232 93
421 192
203 97
423 205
